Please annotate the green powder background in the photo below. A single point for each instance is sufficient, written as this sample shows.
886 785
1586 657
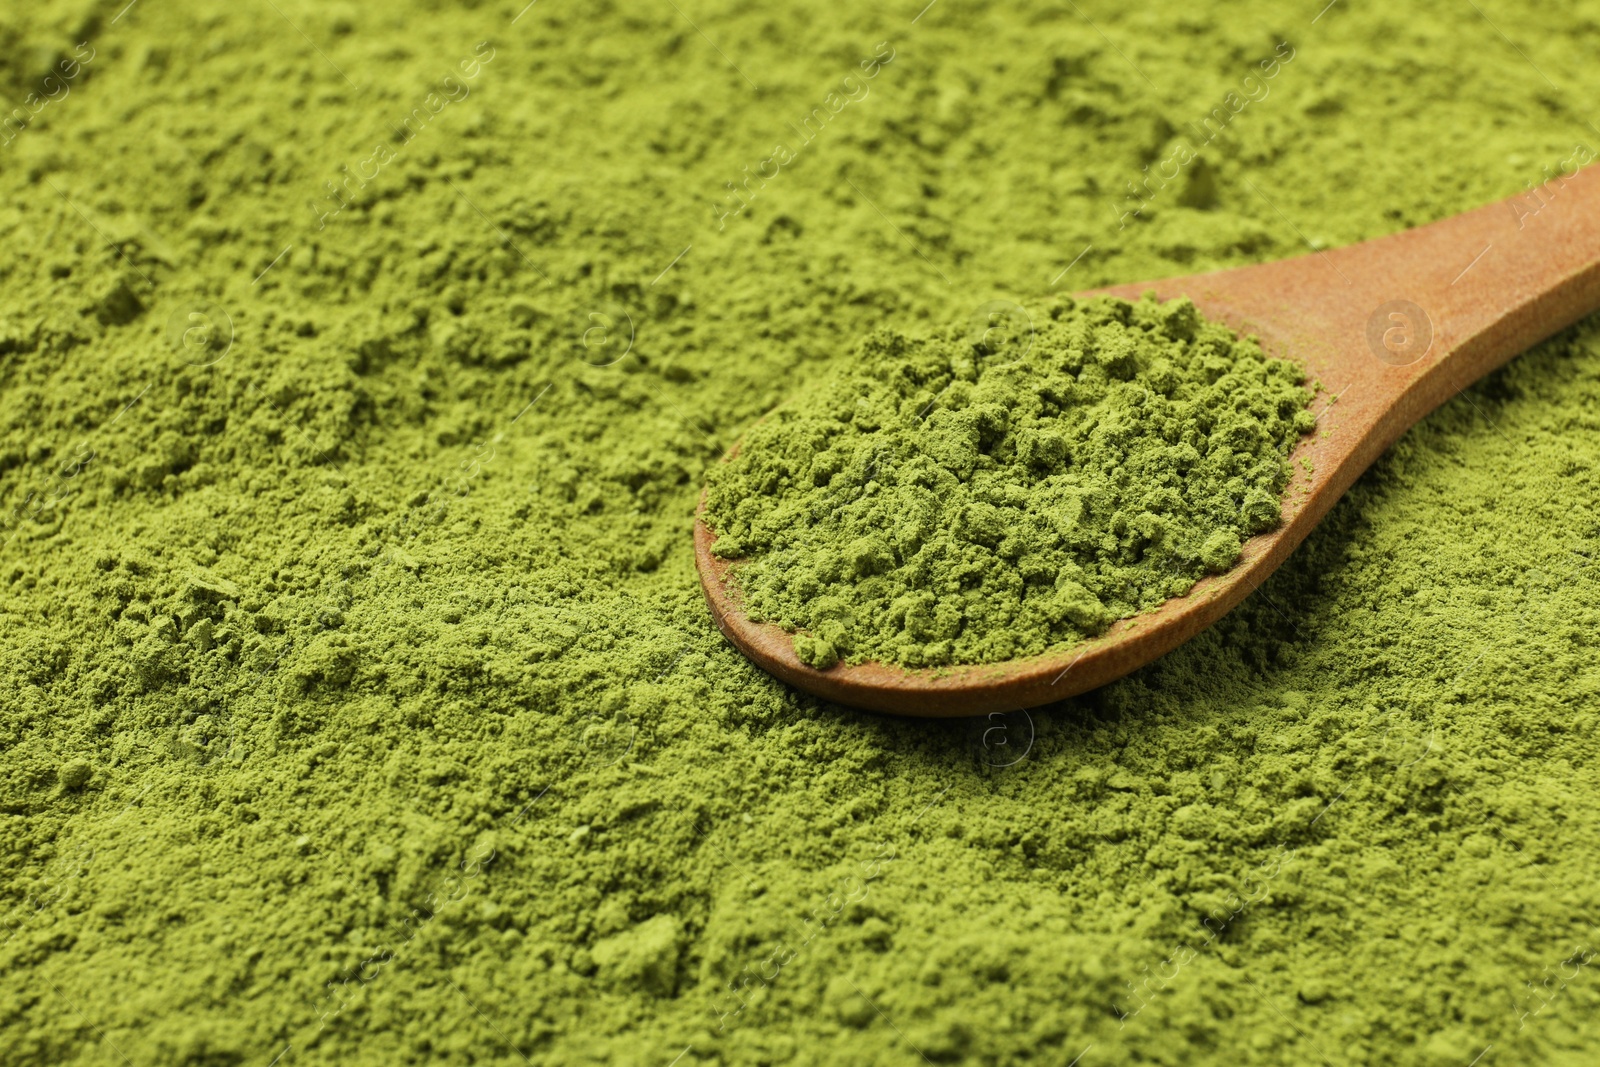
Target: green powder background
958 498
357 711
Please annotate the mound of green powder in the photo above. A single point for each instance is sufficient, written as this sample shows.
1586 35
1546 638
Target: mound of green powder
358 701
962 499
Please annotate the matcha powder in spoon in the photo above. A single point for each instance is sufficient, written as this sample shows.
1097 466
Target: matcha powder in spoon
965 498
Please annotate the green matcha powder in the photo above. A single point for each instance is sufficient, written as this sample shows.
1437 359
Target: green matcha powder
358 701
962 499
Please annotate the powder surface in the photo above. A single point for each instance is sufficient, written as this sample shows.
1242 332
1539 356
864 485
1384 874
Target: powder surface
358 702
976 496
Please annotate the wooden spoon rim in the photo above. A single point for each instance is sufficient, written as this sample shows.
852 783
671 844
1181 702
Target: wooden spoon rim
1397 324
975 689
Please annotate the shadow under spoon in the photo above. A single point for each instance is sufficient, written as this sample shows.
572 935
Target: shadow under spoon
1390 328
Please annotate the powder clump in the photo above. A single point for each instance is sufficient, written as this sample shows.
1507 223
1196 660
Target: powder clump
955 499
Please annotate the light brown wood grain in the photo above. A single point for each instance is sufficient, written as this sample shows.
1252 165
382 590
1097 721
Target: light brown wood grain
1490 283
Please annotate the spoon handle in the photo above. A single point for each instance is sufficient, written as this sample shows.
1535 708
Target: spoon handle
1395 326
1390 329
1463 296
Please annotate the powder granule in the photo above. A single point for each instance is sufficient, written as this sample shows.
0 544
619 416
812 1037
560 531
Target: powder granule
957 499
333 617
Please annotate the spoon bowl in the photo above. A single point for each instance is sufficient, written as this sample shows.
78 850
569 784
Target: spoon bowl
1389 329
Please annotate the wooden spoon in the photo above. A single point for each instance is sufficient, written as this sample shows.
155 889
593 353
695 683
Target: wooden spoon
1389 328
